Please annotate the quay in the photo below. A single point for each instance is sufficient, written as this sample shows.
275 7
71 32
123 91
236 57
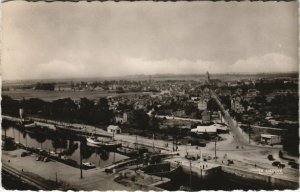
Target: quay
209 170
67 176
241 171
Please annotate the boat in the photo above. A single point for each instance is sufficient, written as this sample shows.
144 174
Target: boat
28 123
88 165
95 142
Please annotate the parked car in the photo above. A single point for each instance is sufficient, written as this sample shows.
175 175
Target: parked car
190 157
292 163
281 165
230 161
295 166
24 154
270 157
276 163
39 158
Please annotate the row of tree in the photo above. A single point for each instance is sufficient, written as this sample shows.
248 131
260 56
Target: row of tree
85 111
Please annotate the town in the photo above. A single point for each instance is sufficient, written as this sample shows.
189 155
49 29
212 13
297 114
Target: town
149 129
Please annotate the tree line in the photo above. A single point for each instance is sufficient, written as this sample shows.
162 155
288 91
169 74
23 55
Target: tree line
84 111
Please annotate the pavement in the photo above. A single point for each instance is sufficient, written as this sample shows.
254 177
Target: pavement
93 179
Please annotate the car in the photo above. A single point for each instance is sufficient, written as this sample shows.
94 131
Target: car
292 163
230 161
276 163
24 154
270 157
190 157
281 165
295 166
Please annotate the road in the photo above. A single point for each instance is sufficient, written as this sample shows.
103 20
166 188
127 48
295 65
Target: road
239 138
175 118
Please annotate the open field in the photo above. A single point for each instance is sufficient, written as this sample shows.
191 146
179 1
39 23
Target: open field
54 95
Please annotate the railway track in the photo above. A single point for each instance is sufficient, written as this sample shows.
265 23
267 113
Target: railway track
25 178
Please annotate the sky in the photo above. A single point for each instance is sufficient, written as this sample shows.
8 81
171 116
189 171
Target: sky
76 40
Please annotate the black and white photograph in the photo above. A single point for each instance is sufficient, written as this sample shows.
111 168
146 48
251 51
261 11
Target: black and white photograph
149 95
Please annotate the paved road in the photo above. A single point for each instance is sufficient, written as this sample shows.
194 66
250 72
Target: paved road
175 118
232 124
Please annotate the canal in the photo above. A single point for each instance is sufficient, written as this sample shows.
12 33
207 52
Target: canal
58 142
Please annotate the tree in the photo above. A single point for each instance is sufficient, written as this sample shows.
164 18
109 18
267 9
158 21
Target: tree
10 106
140 119
212 105
190 108
86 109
102 112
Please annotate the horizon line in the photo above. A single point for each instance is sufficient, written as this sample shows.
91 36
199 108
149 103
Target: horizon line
152 75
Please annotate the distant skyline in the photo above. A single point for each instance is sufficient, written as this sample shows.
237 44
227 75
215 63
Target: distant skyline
81 40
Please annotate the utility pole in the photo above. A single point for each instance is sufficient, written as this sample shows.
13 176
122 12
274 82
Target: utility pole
173 144
19 137
190 174
136 144
216 149
153 143
56 181
249 132
26 141
81 160
14 132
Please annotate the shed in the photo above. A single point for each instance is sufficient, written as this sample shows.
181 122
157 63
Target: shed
270 139
114 129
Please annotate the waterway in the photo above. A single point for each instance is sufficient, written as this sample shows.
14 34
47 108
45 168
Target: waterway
57 142
219 181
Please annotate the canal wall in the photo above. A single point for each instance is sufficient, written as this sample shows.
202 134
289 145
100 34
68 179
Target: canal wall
268 181
239 176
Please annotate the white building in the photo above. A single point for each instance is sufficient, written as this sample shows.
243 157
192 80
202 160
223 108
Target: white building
210 129
114 129
270 139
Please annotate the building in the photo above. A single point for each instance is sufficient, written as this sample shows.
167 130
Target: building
114 129
212 129
270 139
205 129
205 117
236 105
206 94
202 105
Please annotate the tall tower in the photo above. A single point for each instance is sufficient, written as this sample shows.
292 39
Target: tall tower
207 78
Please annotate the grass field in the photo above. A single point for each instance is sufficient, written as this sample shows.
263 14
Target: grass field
54 95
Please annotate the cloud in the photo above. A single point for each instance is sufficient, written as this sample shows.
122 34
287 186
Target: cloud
272 63
176 66
59 69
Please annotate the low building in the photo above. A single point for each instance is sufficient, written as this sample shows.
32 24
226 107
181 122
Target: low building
206 117
204 129
202 105
211 129
114 129
270 139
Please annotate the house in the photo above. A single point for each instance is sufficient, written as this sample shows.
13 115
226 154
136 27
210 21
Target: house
270 139
206 117
114 129
202 105
211 129
236 105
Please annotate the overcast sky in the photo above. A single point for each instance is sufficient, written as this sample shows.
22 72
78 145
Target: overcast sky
65 40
